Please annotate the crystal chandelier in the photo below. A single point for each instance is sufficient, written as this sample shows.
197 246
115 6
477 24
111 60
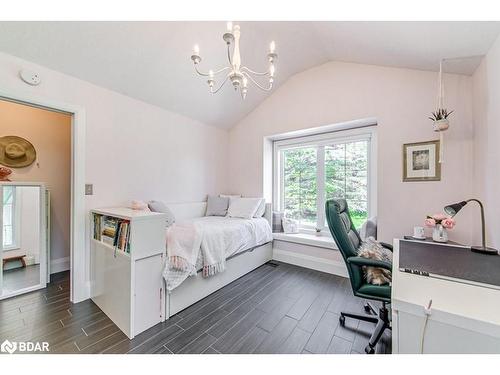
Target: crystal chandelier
236 73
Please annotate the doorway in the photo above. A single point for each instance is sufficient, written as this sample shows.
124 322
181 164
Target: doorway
56 175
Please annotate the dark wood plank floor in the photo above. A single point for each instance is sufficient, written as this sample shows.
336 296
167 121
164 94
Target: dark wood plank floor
283 309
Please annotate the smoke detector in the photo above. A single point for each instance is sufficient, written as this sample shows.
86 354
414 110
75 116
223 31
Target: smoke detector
30 77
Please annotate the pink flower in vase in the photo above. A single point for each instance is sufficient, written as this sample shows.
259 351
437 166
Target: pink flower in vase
429 222
439 217
4 173
448 223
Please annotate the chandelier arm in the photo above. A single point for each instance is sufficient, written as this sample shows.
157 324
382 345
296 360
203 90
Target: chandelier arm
257 84
222 84
207 74
248 70
229 55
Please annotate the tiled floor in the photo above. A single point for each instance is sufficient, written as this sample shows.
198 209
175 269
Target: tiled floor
283 309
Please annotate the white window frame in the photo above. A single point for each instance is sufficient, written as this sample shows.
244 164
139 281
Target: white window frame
321 140
16 222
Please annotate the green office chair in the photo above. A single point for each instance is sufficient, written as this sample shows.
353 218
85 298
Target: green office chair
348 241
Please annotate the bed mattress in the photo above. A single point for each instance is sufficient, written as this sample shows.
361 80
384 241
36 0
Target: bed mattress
237 235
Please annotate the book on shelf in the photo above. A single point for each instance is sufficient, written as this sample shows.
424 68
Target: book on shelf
97 226
112 231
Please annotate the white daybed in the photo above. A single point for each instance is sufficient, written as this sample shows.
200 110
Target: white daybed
195 288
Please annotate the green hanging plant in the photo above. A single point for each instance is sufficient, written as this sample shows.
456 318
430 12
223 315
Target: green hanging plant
440 114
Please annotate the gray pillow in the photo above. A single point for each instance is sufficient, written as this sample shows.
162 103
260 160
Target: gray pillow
217 206
158 206
278 221
369 229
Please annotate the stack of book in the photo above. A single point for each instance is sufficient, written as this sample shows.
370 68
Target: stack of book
112 231
97 227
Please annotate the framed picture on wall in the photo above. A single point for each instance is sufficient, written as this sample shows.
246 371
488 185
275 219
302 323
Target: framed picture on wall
420 161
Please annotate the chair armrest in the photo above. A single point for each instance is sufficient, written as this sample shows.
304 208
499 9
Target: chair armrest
386 245
360 261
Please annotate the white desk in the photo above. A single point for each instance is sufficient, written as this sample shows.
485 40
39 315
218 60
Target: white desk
464 318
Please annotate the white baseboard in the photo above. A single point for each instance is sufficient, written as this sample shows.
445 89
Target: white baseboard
59 265
307 261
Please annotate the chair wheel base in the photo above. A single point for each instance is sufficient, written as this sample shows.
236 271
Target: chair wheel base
342 320
369 350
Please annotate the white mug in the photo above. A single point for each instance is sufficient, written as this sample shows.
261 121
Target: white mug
418 232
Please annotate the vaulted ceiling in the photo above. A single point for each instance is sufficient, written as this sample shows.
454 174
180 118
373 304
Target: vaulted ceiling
150 61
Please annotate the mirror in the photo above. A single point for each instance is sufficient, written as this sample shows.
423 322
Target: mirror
23 254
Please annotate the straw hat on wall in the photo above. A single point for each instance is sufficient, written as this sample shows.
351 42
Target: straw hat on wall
16 152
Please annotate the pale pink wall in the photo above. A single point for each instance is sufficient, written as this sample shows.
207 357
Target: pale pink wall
401 100
486 84
50 134
134 150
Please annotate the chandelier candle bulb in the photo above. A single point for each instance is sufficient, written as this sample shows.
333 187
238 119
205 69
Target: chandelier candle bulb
196 49
228 35
211 81
272 47
271 71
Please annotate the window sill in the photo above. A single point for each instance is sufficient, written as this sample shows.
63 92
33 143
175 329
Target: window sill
10 248
307 239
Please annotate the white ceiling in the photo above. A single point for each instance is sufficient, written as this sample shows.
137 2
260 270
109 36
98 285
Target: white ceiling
150 61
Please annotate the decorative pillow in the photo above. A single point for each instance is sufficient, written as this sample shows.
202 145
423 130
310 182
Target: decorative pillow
244 208
369 229
157 206
277 221
371 249
262 208
230 196
217 206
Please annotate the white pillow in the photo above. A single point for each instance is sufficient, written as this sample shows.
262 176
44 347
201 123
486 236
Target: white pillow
230 196
244 208
262 208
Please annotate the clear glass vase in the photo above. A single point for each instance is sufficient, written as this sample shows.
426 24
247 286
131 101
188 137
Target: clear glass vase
439 234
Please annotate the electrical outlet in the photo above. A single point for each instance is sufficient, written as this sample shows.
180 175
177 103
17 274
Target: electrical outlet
89 189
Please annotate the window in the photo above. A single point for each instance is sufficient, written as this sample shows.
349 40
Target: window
9 218
310 170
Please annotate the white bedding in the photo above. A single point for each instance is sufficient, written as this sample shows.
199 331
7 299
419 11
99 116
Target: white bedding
230 235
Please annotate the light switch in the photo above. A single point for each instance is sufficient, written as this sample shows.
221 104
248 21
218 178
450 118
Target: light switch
89 189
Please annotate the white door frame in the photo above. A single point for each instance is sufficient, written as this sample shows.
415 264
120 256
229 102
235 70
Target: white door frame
79 263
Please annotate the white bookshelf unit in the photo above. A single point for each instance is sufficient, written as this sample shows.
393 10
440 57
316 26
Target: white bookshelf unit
127 284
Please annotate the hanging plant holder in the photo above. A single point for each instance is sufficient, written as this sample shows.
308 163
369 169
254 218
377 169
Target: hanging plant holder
441 125
440 116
